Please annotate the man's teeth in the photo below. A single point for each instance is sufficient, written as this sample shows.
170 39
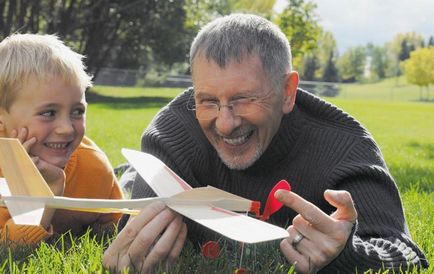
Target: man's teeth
236 141
57 146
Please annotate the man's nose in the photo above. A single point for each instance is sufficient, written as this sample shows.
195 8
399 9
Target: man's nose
226 120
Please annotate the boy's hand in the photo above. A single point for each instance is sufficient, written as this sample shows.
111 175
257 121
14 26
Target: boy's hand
53 175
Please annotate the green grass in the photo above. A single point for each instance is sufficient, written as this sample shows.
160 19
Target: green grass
405 134
392 89
117 116
402 126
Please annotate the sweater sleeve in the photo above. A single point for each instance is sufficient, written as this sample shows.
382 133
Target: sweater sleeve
106 221
381 239
105 185
20 234
89 174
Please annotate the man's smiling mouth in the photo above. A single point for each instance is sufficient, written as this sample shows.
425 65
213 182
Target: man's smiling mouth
240 140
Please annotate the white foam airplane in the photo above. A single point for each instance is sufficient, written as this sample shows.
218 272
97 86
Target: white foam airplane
25 193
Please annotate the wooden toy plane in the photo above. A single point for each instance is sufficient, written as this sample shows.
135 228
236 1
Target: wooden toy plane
25 193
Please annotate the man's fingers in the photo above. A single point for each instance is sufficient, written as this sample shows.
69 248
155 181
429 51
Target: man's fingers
140 245
133 227
306 229
292 255
179 244
309 211
165 244
343 202
148 236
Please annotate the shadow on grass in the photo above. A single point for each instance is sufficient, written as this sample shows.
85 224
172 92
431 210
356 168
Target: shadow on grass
412 176
423 100
423 149
127 102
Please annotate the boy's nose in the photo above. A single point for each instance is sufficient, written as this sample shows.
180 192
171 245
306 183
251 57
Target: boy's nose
226 121
64 127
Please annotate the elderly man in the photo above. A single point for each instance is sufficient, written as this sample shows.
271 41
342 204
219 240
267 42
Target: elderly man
244 126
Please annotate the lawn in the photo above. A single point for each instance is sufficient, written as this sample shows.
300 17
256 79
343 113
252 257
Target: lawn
401 125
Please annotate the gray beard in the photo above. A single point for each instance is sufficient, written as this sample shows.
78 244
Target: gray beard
234 159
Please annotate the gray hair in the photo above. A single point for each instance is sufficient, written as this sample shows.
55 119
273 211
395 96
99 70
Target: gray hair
238 35
41 56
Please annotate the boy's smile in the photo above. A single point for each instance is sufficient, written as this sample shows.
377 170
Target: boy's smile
53 112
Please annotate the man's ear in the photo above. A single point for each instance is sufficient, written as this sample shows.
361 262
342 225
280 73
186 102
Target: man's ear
290 91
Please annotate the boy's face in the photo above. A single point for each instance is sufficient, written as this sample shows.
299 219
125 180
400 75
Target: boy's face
53 112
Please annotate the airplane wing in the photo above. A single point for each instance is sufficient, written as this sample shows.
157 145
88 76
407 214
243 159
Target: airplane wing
126 206
19 170
230 224
23 179
28 194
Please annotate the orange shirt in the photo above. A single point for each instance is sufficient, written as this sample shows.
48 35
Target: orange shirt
88 175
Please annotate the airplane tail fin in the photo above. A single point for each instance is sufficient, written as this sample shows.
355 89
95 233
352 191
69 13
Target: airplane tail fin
163 181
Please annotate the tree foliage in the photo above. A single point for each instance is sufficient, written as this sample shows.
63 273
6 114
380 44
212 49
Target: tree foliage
299 22
327 55
310 66
377 62
136 33
262 7
399 48
352 64
121 33
200 12
330 73
419 68
431 41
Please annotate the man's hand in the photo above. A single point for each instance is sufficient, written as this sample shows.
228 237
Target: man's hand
156 234
319 238
53 175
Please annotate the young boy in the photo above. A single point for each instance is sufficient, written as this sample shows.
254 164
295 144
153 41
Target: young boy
42 103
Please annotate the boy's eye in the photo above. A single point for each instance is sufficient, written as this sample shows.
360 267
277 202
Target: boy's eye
78 113
48 113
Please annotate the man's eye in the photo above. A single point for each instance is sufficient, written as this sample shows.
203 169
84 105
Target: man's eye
208 102
243 100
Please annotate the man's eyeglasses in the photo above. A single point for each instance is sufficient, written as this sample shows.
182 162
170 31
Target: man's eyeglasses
238 107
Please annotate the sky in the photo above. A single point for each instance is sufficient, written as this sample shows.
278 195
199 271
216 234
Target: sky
358 22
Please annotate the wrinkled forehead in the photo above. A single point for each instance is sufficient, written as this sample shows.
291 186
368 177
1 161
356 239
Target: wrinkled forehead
224 60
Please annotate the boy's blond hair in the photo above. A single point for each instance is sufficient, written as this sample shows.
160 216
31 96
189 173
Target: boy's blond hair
41 56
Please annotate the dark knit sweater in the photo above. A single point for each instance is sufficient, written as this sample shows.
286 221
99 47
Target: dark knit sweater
317 147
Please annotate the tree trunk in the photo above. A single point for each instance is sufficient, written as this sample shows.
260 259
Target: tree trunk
34 17
2 9
8 25
19 19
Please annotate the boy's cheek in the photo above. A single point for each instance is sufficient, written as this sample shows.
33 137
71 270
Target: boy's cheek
10 124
